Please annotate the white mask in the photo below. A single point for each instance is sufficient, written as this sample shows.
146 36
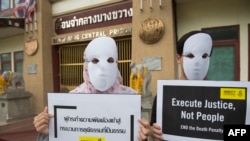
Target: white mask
198 45
101 54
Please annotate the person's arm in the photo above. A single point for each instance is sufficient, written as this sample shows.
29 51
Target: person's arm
42 137
151 129
155 129
41 124
156 132
144 130
145 127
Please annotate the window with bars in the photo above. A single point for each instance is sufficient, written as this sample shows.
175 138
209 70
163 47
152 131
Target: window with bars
5 62
5 4
224 61
18 61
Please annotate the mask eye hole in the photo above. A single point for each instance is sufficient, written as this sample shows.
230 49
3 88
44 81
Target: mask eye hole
95 61
110 60
190 56
204 56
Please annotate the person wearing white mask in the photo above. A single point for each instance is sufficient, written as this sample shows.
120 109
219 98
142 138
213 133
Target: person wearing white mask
100 73
193 54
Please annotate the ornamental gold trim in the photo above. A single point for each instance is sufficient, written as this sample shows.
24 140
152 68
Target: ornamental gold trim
31 47
151 30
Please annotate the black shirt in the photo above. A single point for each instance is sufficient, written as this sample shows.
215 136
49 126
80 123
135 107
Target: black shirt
153 113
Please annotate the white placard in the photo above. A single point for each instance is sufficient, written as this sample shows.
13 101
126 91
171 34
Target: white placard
197 110
94 117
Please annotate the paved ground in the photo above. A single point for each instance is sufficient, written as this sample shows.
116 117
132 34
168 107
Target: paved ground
18 130
19 136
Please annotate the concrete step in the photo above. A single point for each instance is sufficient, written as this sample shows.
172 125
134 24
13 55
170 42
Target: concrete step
14 126
20 136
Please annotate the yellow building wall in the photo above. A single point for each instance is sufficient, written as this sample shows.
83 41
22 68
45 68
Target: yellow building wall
191 15
12 44
164 48
215 13
41 82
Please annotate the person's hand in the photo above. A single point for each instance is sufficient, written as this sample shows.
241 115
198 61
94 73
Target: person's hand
41 122
156 132
144 130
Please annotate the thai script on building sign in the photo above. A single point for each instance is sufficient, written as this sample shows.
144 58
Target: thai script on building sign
98 18
91 35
